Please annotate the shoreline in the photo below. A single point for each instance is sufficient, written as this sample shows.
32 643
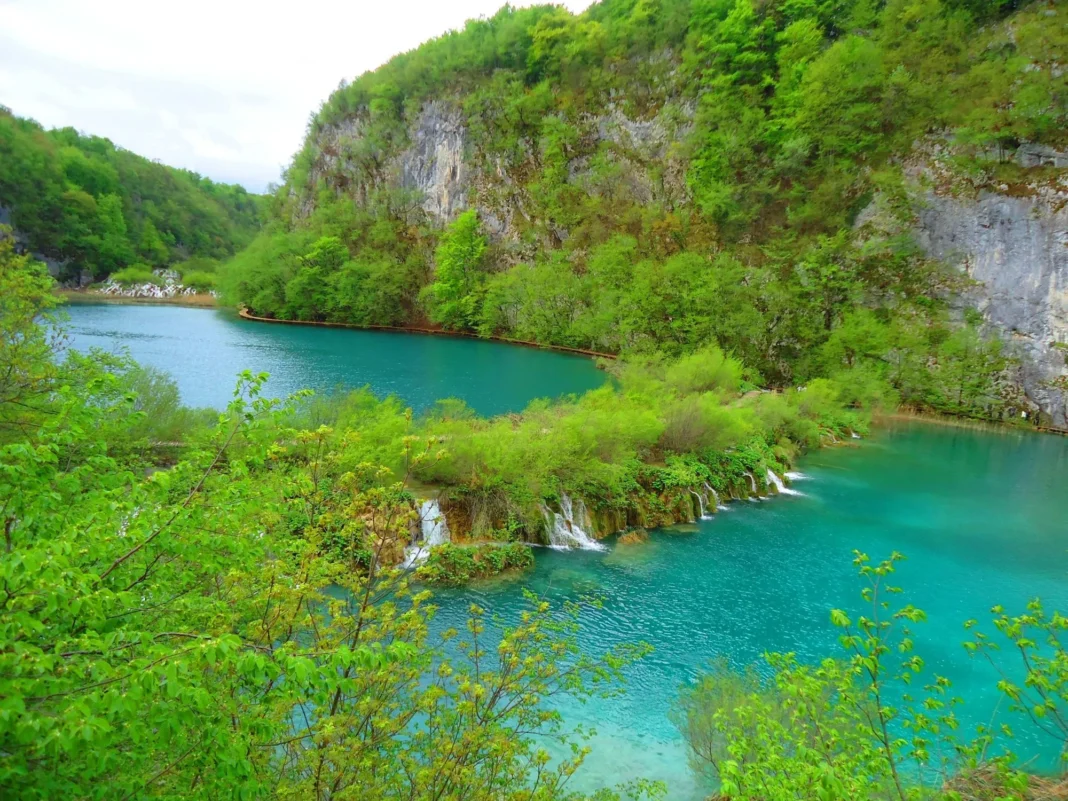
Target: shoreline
191 301
210 302
948 421
245 314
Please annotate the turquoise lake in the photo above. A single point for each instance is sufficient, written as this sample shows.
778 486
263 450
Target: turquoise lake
205 349
982 518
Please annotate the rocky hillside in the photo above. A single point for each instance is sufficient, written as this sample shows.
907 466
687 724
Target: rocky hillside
652 174
1011 240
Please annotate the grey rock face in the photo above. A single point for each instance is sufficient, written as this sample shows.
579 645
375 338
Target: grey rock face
434 164
645 149
1040 156
1017 249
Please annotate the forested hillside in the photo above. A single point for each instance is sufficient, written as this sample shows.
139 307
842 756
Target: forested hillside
653 175
95 208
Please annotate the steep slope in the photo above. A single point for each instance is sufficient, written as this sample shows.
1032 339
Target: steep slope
1012 241
653 174
90 208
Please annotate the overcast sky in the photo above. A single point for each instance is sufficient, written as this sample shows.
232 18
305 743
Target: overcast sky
223 87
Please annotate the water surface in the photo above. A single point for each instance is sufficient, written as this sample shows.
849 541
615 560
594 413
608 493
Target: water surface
205 349
982 518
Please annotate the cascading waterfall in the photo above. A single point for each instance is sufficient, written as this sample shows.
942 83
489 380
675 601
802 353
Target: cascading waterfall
755 496
700 503
779 485
710 490
569 528
795 476
434 530
433 524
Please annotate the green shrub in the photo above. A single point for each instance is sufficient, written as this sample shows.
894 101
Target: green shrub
136 274
196 264
455 565
199 280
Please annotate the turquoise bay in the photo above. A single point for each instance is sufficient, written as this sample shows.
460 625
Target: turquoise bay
205 349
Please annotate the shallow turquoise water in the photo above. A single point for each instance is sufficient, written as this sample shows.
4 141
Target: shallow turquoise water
982 518
205 349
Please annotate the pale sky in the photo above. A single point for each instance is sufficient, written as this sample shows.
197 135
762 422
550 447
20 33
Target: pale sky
222 87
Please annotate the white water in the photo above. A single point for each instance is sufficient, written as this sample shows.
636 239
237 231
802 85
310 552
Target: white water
780 486
435 531
569 528
795 476
700 503
710 490
752 484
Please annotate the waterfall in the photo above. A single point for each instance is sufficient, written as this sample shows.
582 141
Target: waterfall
569 528
433 523
435 531
795 476
700 503
755 496
854 435
710 490
782 488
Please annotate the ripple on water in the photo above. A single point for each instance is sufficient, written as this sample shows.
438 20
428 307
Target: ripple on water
765 576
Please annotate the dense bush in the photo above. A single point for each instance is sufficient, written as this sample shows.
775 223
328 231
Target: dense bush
199 280
197 264
626 448
455 565
135 274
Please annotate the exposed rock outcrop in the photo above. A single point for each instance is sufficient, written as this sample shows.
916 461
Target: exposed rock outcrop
433 164
1014 243
433 159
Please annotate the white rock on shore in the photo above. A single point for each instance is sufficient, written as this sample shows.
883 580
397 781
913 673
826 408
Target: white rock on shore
171 287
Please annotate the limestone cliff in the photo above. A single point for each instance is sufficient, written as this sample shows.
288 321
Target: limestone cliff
433 159
1012 240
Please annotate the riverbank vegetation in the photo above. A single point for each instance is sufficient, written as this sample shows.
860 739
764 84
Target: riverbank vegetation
222 618
97 209
648 177
656 446
207 604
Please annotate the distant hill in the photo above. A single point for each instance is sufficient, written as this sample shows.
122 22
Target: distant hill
91 208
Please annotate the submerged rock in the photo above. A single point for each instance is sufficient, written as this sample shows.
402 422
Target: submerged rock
635 536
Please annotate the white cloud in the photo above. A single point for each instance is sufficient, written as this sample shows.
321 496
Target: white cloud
223 87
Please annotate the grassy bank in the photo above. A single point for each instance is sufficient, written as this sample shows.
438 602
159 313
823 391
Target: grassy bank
88 296
1013 426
